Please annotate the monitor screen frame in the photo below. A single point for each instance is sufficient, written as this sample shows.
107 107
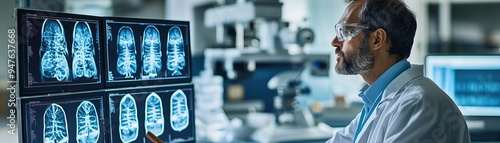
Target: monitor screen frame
62 97
25 89
451 60
147 82
136 90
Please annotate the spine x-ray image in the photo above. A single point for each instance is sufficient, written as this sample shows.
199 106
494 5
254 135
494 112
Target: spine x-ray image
83 52
129 124
154 114
55 128
87 126
54 52
151 51
179 112
175 51
126 63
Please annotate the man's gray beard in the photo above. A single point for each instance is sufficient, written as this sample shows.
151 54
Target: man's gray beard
357 62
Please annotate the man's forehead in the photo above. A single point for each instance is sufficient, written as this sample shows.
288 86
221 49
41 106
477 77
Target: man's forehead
351 13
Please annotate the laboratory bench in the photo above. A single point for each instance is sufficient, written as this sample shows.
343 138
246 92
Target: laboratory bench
482 129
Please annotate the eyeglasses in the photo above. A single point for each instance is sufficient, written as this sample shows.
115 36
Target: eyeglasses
346 31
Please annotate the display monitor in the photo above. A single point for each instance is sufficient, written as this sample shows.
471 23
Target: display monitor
146 51
64 119
58 52
165 111
472 81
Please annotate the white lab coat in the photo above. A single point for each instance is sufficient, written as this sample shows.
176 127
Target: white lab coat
413 109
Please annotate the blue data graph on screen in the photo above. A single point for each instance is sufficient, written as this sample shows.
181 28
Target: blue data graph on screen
477 87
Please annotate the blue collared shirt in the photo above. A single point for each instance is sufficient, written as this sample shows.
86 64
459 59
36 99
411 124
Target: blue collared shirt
370 93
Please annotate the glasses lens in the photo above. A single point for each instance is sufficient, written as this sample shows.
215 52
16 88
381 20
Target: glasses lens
344 33
340 32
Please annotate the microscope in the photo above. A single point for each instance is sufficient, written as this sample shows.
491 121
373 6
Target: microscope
288 112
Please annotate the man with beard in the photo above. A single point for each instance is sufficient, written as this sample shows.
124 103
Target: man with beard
374 39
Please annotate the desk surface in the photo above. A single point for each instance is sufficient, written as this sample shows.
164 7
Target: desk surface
297 134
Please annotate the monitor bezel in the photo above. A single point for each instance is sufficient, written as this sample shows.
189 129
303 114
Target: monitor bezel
67 96
148 82
466 110
26 90
155 88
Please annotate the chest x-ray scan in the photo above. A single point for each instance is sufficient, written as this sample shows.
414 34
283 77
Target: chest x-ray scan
64 118
151 109
129 123
175 51
55 128
154 120
151 51
179 112
58 52
154 51
83 52
126 62
53 51
87 126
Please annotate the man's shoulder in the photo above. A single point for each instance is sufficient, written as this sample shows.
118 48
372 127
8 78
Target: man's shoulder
424 90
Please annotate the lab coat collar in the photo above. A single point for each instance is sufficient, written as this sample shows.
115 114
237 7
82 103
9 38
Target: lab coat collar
370 93
401 80
393 88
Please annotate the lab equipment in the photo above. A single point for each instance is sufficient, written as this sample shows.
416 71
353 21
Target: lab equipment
78 117
287 109
211 121
146 51
59 52
470 80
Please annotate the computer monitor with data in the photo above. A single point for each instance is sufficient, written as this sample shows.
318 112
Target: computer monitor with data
58 52
146 51
472 81
165 111
64 118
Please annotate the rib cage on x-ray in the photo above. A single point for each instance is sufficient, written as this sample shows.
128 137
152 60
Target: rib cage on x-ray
155 119
129 124
87 127
175 51
55 126
83 51
53 51
125 43
151 51
179 112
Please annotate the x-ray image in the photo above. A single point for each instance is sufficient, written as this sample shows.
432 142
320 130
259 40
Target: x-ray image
146 51
179 112
55 128
84 65
151 52
78 118
126 50
58 52
53 51
175 52
88 123
129 123
154 120
154 110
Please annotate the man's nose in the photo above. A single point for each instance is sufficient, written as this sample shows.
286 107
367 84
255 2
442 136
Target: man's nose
336 43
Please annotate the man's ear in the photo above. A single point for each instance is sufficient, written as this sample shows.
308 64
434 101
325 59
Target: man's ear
379 39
